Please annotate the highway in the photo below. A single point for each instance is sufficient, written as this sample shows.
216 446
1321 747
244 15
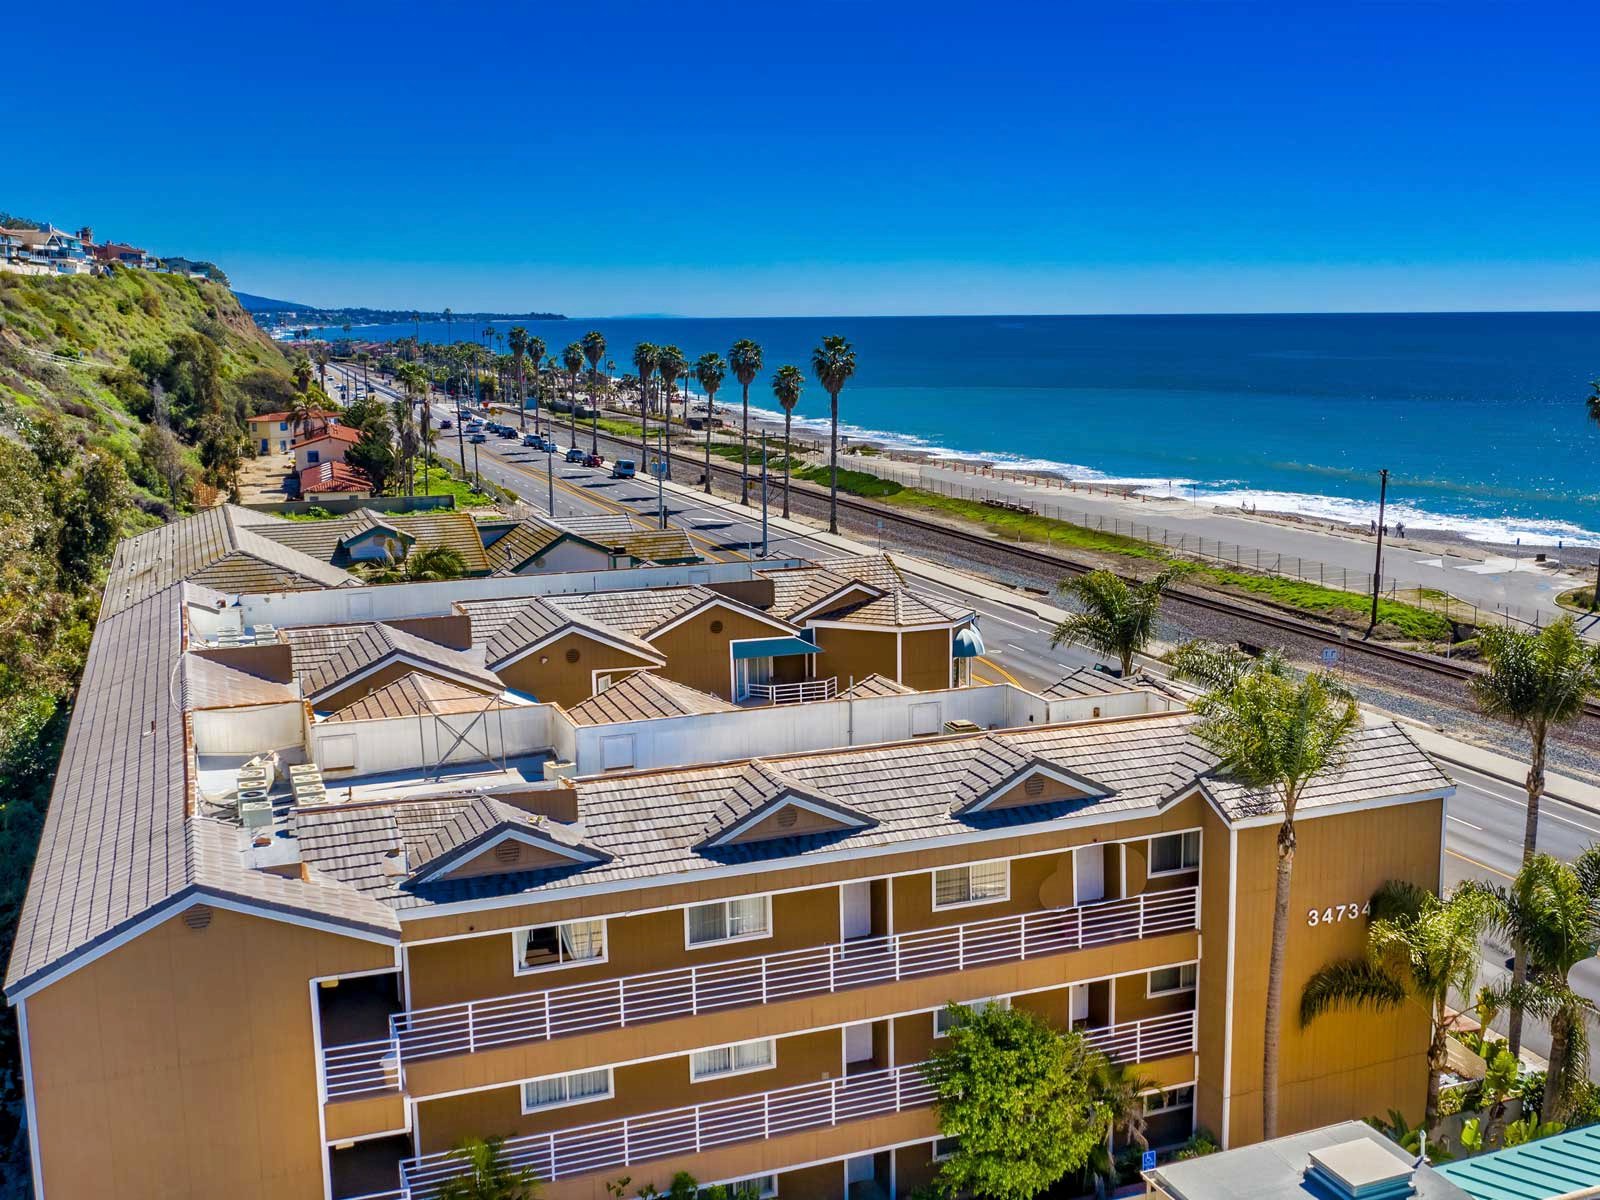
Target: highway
1483 836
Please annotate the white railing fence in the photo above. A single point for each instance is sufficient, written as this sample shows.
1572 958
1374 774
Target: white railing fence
793 693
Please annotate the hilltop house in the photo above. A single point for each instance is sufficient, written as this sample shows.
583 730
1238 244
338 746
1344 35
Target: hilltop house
329 443
274 432
47 251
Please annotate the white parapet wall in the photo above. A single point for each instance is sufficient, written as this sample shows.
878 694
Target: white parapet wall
248 730
403 745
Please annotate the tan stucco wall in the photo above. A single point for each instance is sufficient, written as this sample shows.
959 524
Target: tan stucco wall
555 680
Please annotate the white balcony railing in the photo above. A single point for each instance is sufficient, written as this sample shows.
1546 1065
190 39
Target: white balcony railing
612 1144
792 693
689 991
609 1145
360 1067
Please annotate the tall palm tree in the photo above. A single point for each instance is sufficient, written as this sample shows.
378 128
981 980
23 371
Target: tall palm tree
1420 950
405 433
1551 913
709 372
572 360
534 348
745 361
1535 681
321 353
644 362
671 366
787 383
1276 735
1115 618
833 363
594 349
519 347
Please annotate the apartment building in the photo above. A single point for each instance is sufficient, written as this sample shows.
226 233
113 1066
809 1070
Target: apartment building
324 891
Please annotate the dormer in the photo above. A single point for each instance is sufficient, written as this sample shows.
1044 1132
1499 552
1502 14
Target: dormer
767 803
1023 781
488 837
377 543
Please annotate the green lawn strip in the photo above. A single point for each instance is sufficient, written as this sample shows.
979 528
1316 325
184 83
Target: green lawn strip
441 482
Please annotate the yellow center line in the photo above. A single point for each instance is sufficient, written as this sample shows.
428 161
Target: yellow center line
1480 865
1010 678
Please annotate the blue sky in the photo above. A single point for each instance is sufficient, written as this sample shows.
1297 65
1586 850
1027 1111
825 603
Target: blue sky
818 158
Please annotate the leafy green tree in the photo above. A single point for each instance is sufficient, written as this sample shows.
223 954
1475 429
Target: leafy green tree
421 566
90 513
833 363
787 383
709 372
1115 618
1536 681
374 455
1420 950
1276 735
486 1176
1551 913
161 461
745 361
1018 1098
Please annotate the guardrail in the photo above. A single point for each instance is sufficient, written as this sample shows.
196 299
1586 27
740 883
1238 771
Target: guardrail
793 693
612 1144
688 991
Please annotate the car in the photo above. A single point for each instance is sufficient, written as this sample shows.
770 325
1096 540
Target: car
447 423
507 432
478 439
594 460
575 455
533 439
624 468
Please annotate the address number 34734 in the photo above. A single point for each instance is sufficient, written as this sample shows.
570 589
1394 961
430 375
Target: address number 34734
1337 913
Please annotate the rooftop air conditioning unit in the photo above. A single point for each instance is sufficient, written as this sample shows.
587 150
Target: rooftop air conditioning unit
961 725
254 814
554 770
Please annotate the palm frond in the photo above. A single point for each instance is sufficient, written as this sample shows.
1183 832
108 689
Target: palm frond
1350 983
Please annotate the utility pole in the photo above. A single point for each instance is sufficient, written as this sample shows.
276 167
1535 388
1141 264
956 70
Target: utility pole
476 477
1595 595
660 470
763 493
1377 562
550 475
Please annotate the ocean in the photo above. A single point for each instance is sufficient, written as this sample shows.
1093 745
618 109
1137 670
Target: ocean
1479 417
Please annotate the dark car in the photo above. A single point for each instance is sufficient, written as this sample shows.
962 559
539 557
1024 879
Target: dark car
507 432
575 455
478 439
447 423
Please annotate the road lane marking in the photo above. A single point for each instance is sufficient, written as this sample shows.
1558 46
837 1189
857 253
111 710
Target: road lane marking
1468 824
1480 865
1010 678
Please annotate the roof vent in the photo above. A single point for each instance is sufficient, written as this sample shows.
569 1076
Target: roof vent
1362 1169
197 916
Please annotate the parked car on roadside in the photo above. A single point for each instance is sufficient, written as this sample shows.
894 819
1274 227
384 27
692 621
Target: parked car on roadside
594 460
447 423
624 468
533 439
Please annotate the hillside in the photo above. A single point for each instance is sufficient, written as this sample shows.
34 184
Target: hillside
122 400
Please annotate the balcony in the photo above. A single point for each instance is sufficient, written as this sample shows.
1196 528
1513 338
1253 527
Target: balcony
609 1145
691 991
803 692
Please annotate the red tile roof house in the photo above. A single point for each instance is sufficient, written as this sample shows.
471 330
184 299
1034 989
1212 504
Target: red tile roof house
324 445
274 433
335 481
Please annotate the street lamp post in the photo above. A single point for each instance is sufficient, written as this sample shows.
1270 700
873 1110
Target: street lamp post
1377 562
550 474
763 493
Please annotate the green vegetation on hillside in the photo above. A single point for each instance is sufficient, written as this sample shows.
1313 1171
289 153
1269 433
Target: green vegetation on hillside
122 401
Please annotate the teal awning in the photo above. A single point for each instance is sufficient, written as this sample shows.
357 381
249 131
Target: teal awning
773 647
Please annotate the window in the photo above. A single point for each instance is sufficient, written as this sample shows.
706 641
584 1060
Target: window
944 1020
1175 852
737 1059
729 920
1165 981
564 945
558 1091
312 456
944 1148
757 1187
283 424
1170 1100
980 883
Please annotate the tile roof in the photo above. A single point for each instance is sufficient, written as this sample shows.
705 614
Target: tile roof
327 655
506 627
325 539
901 609
415 694
602 527
796 589
209 683
653 823
475 822
660 546
522 543
644 695
1086 681
335 433
876 685
221 548
334 476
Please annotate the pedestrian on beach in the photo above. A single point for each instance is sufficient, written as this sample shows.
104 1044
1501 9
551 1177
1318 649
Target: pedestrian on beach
1400 529
1374 529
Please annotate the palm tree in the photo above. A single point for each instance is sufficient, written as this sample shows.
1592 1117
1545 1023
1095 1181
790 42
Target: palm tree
594 349
709 372
1592 401
1122 1093
1535 681
519 347
1420 950
1215 667
1276 734
644 362
1551 913
486 1177
364 359
534 347
405 432
671 365
414 380
787 383
745 361
320 354
833 363
572 360
300 411
1116 618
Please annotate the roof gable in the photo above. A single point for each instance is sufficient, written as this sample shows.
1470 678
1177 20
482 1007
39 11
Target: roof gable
488 837
766 803
1004 777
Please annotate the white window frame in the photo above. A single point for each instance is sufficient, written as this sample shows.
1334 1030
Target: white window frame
933 1150
1181 870
1161 1094
1004 895
1193 968
690 944
610 1092
976 1005
518 968
707 1076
